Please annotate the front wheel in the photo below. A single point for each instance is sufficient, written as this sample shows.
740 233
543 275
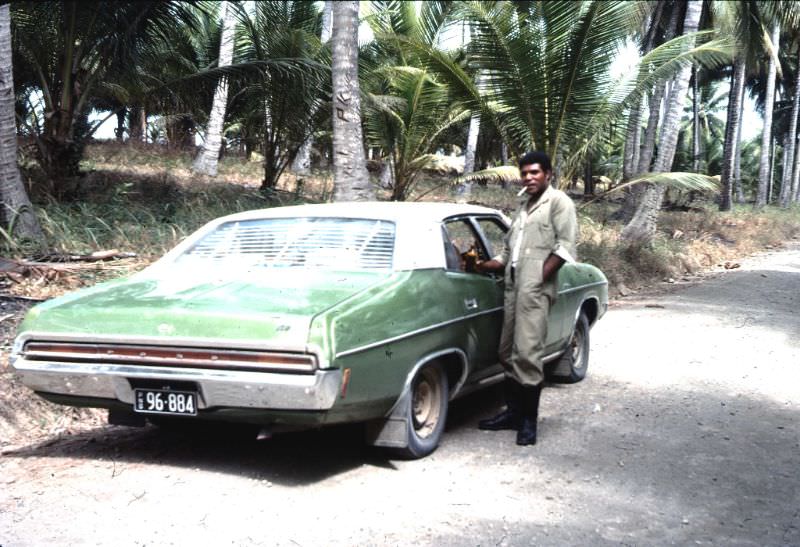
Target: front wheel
427 411
572 366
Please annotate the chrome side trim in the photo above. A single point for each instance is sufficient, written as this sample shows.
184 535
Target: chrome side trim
415 332
216 388
582 287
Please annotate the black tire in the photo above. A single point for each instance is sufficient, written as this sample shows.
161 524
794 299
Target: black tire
576 358
427 411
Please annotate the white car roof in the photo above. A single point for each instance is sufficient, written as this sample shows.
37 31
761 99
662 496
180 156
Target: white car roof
395 211
418 236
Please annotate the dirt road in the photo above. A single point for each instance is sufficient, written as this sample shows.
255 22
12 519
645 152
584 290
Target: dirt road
685 432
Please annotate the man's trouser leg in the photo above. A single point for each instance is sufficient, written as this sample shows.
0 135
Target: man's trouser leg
532 306
530 334
511 416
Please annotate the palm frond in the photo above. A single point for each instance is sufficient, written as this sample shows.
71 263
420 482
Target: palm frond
502 173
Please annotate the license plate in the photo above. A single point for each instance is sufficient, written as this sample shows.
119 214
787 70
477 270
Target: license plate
165 401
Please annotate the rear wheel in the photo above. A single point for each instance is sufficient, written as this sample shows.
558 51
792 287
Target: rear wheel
427 411
575 361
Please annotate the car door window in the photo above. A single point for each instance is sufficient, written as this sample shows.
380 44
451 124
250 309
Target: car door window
494 233
463 242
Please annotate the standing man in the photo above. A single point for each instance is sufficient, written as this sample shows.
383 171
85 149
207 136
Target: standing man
542 237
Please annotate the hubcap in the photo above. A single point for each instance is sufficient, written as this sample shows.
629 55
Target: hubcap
426 403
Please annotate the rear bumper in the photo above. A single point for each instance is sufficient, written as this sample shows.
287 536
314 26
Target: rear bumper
216 388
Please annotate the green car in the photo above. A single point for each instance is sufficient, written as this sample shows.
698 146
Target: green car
303 316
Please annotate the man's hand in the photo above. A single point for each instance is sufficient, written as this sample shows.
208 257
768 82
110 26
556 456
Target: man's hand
551 266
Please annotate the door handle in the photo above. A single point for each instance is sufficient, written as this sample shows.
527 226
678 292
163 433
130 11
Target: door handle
471 303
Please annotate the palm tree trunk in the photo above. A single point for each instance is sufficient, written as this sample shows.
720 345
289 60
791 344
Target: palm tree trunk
766 137
790 174
695 123
464 189
737 162
206 162
301 164
643 225
16 211
472 143
632 140
350 176
733 131
119 132
633 135
786 169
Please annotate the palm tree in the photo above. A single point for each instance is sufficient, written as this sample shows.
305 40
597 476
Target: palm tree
408 121
66 50
350 176
301 164
789 180
642 226
16 212
766 136
545 80
206 160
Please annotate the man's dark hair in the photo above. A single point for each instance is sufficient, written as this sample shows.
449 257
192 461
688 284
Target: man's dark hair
536 157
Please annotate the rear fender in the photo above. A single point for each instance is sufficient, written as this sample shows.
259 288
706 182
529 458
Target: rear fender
392 430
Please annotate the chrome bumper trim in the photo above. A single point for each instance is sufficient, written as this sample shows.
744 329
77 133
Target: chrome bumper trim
216 388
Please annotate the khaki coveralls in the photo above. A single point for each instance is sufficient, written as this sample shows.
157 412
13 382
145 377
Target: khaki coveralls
547 226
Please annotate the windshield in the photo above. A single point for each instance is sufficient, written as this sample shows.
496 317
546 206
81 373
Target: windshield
323 243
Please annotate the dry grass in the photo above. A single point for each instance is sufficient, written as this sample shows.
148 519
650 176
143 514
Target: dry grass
686 243
146 199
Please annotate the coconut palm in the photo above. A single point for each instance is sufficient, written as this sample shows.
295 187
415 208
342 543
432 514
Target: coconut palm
66 49
408 121
302 161
16 211
282 81
766 135
643 224
350 176
206 160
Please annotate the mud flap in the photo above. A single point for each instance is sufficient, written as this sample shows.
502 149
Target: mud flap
391 431
562 367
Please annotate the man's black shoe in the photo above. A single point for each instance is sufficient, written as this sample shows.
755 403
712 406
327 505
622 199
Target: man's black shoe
527 432
508 419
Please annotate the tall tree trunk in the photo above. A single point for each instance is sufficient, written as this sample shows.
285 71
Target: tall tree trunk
350 176
464 189
732 133
588 178
643 225
633 136
207 161
695 122
647 148
137 122
16 212
302 161
766 137
119 132
472 143
633 196
737 162
786 167
790 175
